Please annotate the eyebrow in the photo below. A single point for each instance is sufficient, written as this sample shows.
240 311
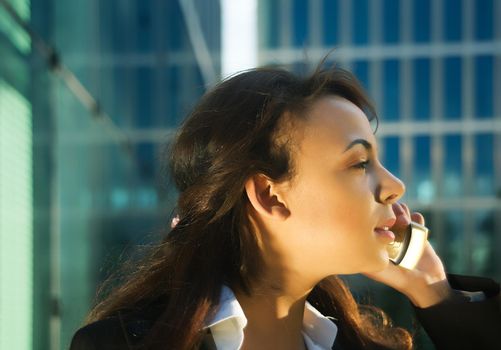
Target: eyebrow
363 142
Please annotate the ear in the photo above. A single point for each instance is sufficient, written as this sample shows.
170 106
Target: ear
264 198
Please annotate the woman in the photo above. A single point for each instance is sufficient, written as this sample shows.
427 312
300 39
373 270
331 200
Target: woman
280 190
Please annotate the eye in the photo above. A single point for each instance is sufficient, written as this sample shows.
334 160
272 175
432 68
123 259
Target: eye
362 165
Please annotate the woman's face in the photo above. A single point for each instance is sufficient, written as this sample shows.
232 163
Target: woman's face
339 195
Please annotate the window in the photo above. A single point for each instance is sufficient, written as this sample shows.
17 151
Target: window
453 173
391 159
145 156
421 25
16 219
421 96
300 23
175 28
484 86
391 90
173 97
144 100
145 33
330 13
423 189
391 21
272 24
360 22
361 70
483 255
452 88
453 248
484 165
453 13
484 10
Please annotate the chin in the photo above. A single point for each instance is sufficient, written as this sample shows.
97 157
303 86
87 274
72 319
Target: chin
382 264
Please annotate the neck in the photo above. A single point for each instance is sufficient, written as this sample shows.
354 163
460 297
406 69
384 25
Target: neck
274 317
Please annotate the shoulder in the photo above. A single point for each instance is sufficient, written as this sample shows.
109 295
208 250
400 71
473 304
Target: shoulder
111 333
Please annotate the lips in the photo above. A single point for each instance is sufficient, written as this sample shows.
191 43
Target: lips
383 230
387 224
385 234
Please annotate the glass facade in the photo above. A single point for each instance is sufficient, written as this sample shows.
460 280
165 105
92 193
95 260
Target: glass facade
484 86
17 212
421 20
432 68
453 186
422 187
84 200
452 87
422 89
360 22
390 110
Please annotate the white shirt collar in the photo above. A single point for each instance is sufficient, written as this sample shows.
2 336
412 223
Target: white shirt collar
227 325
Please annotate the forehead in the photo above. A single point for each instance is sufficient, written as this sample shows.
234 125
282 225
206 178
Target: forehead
333 122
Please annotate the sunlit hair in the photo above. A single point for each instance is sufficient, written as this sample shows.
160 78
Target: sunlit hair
234 132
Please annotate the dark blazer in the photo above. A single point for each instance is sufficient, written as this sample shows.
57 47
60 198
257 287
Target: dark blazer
463 324
457 323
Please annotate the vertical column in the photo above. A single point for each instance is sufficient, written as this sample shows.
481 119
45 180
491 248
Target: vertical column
345 20
407 153
436 115
315 21
285 19
468 144
376 22
497 144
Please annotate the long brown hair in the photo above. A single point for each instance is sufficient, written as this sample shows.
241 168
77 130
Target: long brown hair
231 135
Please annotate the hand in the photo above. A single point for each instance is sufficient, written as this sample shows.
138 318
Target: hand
424 285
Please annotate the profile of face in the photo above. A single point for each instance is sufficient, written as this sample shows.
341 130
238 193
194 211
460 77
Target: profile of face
322 221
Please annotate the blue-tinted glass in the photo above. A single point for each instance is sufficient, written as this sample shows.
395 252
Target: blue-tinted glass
483 19
392 154
330 22
391 21
452 13
144 99
122 104
452 88
144 26
484 86
360 20
422 89
122 26
422 185
484 165
361 70
173 98
300 23
273 24
391 90
421 23
175 29
485 250
210 22
453 230
453 173
145 155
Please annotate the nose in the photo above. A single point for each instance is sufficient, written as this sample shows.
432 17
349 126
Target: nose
390 188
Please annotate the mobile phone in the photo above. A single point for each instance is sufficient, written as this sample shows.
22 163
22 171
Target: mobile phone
408 245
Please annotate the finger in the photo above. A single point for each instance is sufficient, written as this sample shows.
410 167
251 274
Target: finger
402 218
406 208
418 218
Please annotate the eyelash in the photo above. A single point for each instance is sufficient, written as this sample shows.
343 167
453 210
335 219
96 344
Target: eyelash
362 165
